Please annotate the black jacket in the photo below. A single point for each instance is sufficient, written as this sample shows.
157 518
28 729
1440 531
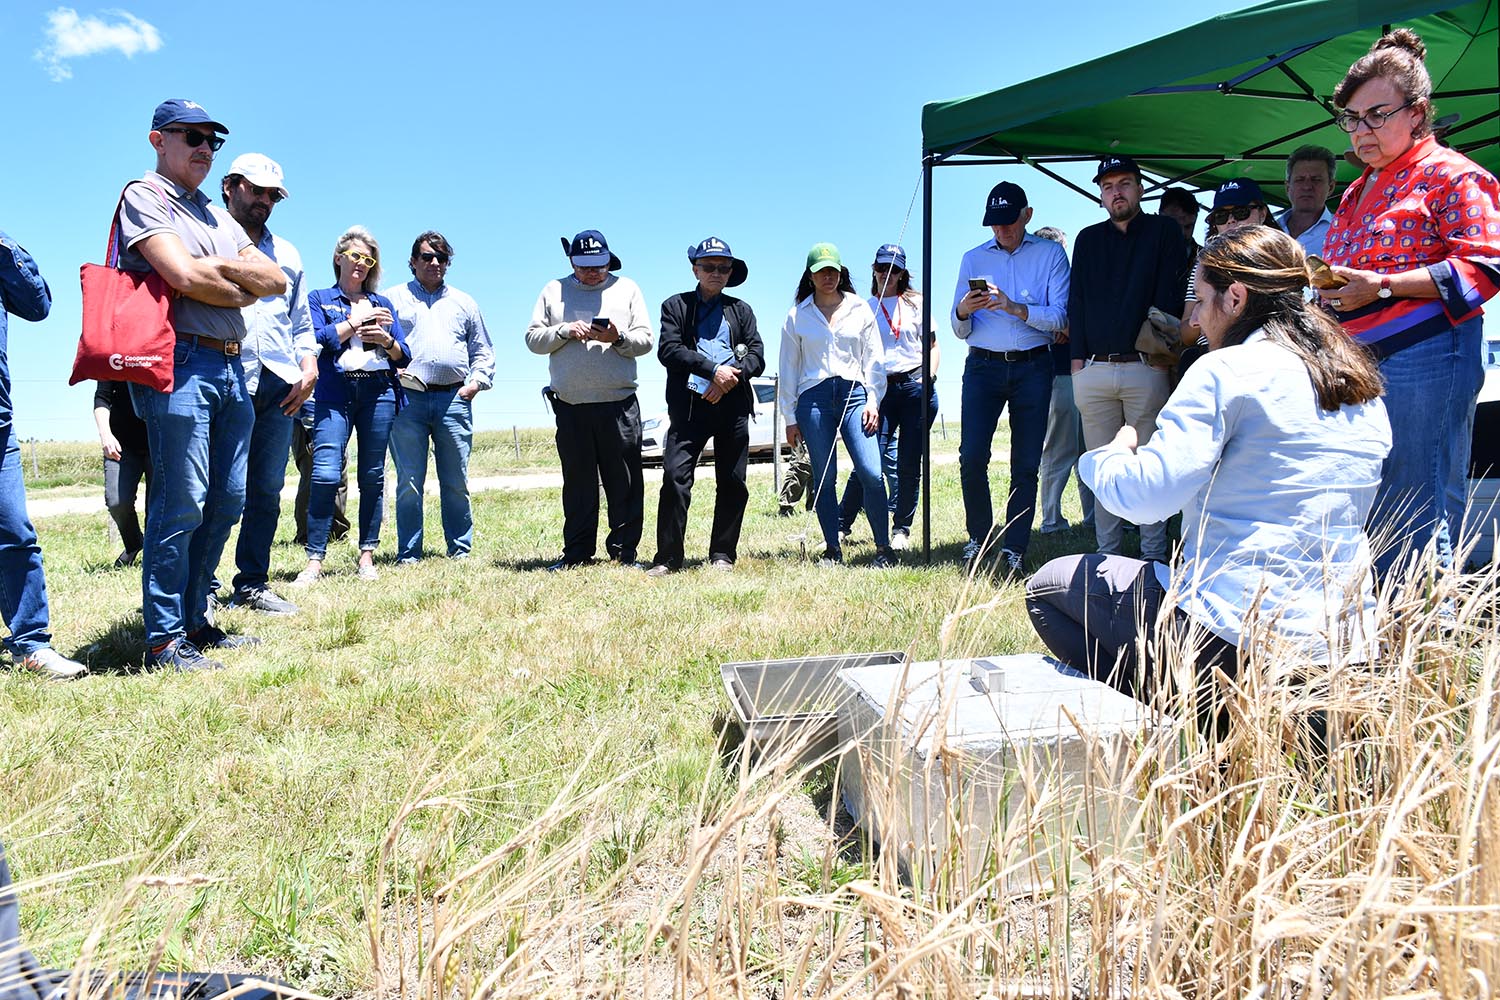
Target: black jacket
677 349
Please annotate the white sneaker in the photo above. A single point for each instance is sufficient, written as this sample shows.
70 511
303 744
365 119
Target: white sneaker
366 572
900 541
49 663
307 578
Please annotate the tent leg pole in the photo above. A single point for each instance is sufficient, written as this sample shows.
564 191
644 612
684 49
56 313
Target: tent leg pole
926 358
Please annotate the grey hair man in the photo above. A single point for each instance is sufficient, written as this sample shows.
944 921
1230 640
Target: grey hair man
1309 184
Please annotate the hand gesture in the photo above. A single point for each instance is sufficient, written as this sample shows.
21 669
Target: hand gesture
111 445
1126 437
973 302
869 420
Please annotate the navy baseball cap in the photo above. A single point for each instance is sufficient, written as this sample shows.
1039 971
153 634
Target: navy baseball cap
1238 191
590 249
715 247
1006 203
1116 165
180 112
891 253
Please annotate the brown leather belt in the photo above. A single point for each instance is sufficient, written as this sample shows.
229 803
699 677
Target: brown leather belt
1116 359
228 348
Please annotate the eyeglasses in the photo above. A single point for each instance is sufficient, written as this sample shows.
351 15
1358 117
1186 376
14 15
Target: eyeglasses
886 267
1350 122
259 192
432 255
194 138
358 258
716 268
1239 213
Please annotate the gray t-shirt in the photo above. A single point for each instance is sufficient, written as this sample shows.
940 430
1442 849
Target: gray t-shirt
206 231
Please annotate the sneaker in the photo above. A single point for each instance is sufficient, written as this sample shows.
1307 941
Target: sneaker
366 571
213 637
970 553
900 540
127 558
566 563
182 656
659 570
307 578
720 564
264 600
834 557
1011 563
786 510
884 558
49 663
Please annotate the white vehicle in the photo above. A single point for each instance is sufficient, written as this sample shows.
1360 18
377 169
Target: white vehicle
763 433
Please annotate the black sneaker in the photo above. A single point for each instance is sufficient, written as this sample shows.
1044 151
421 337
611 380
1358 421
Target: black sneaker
884 558
1011 564
264 600
213 637
182 656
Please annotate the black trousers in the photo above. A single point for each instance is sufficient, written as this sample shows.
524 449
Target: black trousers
600 444
1091 610
684 442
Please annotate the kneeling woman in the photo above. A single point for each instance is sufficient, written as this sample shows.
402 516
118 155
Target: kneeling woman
362 345
1272 447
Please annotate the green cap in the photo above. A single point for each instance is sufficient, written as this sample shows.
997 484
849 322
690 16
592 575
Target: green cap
823 255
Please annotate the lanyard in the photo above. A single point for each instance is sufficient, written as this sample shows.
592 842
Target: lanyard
894 324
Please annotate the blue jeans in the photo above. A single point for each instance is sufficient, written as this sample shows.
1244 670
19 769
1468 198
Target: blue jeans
992 384
449 422
270 445
199 438
1430 392
901 432
369 410
827 411
23 588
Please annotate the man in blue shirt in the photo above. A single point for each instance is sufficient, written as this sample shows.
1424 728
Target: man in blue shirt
1010 301
280 357
452 361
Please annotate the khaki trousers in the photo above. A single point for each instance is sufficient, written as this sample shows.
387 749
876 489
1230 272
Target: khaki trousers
1110 395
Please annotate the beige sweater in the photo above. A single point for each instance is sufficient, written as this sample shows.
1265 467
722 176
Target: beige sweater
589 371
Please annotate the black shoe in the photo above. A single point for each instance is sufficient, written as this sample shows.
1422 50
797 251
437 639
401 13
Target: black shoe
182 656
884 558
566 563
213 637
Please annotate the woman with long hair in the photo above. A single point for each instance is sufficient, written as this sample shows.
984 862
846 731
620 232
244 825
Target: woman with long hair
1272 447
1417 240
832 381
362 346
898 312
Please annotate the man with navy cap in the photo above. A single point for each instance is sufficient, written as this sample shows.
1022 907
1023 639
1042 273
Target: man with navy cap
1010 302
199 432
711 349
280 358
1121 268
592 325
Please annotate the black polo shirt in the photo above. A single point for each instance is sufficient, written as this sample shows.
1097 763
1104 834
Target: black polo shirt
1118 277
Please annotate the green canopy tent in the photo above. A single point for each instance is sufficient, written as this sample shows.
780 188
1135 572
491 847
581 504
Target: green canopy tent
1228 97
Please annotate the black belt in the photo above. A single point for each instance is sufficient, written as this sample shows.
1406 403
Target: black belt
903 376
228 348
1116 359
438 388
368 374
1012 356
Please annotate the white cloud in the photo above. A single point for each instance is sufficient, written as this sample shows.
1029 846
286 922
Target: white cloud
71 36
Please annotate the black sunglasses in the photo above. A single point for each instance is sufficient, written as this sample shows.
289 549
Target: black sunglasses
431 255
194 138
274 193
1240 213
717 268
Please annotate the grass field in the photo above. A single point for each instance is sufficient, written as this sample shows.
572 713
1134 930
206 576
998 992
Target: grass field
479 779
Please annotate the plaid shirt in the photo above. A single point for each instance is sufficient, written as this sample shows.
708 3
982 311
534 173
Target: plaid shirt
1437 209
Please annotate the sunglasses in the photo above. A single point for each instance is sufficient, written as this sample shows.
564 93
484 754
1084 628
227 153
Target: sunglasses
194 138
432 255
716 268
274 193
1374 119
1322 276
887 267
359 258
1239 213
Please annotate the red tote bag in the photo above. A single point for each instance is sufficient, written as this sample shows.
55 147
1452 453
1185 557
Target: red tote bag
127 321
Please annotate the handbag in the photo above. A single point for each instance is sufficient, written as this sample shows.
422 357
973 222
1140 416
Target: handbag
1160 339
127 320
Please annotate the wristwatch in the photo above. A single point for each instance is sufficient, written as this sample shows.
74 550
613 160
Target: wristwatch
1385 287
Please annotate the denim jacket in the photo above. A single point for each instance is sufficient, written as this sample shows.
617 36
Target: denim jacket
329 307
25 293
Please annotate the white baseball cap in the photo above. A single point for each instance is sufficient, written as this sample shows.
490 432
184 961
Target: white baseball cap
260 170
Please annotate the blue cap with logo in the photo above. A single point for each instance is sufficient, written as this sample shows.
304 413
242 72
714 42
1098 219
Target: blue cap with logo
1238 191
180 112
1006 203
715 247
1116 165
891 253
590 249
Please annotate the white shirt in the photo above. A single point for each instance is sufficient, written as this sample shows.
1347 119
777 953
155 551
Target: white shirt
1312 239
903 348
814 348
278 328
1274 491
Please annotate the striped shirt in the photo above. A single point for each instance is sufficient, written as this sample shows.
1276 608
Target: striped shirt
1436 209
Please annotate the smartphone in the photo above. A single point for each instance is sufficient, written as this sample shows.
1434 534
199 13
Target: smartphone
600 323
979 285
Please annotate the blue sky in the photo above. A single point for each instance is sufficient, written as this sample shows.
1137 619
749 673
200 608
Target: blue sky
773 125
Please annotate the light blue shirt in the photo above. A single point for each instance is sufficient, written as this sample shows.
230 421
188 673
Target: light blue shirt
1036 275
445 334
278 328
1274 491
1312 238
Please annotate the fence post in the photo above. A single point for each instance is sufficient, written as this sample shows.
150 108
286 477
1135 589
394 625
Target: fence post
776 437
516 437
35 472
